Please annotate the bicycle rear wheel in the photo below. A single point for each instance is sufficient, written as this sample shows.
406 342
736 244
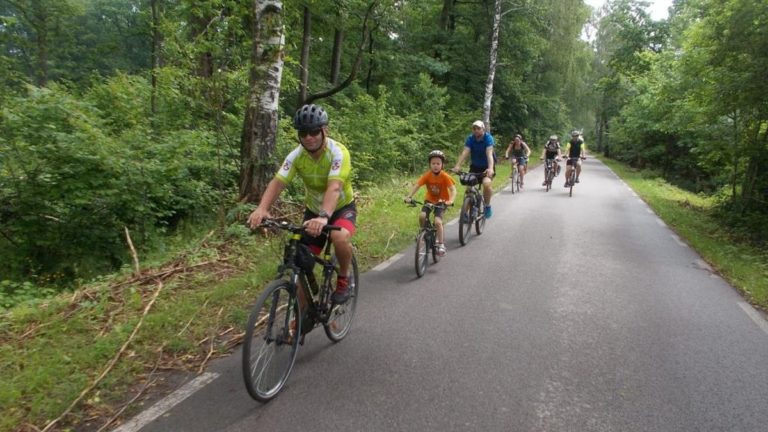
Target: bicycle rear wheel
422 252
465 221
340 319
271 341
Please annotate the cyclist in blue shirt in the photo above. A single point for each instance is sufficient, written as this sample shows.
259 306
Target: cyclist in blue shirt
479 146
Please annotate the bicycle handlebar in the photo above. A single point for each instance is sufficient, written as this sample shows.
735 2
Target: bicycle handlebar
441 204
285 225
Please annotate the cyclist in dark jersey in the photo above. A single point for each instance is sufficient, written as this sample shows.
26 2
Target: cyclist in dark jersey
552 152
576 151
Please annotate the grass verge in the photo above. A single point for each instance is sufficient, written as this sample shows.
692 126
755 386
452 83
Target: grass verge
691 216
131 328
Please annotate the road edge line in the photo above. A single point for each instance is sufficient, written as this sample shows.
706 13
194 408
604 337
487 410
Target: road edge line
161 407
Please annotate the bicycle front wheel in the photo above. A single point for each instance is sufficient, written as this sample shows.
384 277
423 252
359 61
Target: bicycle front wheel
465 221
571 182
433 246
550 176
480 221
421 253
340 319
271 341
513 181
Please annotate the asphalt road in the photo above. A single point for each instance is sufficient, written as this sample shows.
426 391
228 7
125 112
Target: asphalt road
566 314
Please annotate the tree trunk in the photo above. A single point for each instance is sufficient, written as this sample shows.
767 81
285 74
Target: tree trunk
492 66
260 125
355 65
40 24
447 16
304 66
154 56
338 41
371 66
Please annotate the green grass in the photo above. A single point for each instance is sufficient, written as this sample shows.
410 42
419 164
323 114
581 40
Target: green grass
692 217
52 349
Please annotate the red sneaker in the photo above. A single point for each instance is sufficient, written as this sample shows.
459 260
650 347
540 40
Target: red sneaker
341 295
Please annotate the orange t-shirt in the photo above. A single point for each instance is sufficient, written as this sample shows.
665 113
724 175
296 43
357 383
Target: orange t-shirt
437 186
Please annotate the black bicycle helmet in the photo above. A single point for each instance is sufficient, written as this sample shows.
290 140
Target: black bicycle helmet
310 117
436 153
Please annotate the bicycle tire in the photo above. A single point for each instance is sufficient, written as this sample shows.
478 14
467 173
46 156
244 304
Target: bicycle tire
571 182
512 184
465 221
480 221
550 176
433 246
422 250
270 344
518 182
341 315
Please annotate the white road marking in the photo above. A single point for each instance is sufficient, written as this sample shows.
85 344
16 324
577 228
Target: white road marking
678 241
388 262
167 403
754 316
649 210
660 222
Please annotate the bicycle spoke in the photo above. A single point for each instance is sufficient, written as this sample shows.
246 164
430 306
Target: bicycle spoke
340 318
269 348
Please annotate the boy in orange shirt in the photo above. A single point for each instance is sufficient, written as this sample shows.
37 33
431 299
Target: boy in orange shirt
440 188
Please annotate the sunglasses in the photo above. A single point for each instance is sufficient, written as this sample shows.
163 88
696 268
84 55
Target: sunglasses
313 132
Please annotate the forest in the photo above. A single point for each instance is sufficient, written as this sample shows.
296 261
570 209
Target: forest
136 118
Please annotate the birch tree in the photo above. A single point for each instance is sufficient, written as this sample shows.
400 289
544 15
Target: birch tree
492 66
259 135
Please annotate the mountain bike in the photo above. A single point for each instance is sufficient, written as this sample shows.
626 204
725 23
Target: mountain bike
280 319
472 208
515 182
549 172
571 180
426 239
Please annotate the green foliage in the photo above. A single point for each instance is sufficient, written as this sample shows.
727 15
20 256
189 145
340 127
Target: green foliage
692 106
73 179
14 293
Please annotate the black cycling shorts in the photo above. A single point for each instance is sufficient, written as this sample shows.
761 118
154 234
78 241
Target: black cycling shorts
345 217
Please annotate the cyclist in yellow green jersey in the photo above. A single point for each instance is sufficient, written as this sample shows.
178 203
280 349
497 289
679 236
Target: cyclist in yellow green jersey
324 166
576 150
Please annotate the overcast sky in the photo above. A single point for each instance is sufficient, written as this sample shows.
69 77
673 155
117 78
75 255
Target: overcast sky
658 8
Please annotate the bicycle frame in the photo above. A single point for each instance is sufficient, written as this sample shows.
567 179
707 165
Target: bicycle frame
283 314
298 277
473 203
428 235
572 178
550 167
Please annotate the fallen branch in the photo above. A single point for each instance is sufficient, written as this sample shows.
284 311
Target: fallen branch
147 385
133 251
213 340
389 240
111 363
